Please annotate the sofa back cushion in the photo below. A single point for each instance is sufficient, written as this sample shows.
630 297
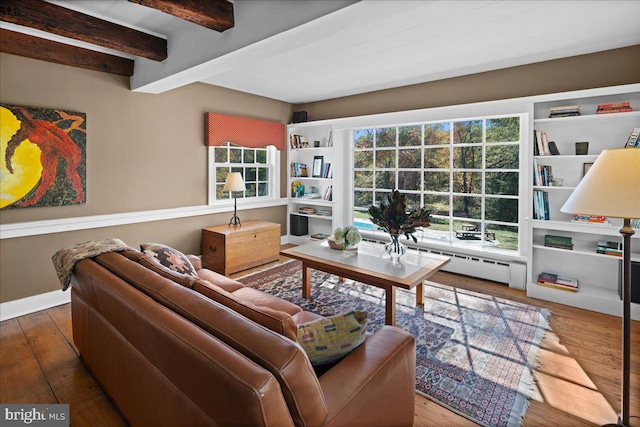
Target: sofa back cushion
284 358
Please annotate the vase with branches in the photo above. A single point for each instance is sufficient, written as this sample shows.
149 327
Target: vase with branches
393 217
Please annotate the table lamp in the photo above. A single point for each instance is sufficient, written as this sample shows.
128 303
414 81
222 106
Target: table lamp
234 183
610 189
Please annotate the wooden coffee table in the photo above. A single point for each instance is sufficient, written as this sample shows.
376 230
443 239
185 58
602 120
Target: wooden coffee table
370 265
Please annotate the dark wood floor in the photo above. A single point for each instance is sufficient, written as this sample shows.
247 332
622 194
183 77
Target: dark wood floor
578 380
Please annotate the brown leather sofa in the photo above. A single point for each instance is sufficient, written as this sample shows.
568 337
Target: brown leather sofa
168 355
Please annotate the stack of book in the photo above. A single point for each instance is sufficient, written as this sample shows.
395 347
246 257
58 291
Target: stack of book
590 219
324 212
541 144
542 174
555 281
634 139
305 210
609 248
616 107
560 242
541 205
327 172
564 111
328 193
299 169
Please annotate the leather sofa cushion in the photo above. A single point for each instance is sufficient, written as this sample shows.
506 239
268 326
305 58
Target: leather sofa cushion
263 299
217 279
269 317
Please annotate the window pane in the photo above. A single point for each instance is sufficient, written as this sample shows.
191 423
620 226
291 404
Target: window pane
499 209
221 174
410 158
382 196
467 157
261 156
237 169
249 156
251 190
506 129
263 174
363 138
436 158
250 176
437 134
503 156
506 236
466 207
412 201
436 181
437 203
410 136
468 132
501 183
221 154
221 195
363 159
409 180
235 155
362 199
363 179
386 137
263 189
467 182
386 159
386 179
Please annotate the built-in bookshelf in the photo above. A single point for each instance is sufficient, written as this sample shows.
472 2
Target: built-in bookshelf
314 202
553 179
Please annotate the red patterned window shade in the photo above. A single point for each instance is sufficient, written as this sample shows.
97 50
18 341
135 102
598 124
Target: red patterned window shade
252 133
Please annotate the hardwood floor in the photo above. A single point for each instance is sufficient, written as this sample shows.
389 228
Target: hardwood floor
578 379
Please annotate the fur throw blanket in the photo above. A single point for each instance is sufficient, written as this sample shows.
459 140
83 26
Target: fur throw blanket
65 259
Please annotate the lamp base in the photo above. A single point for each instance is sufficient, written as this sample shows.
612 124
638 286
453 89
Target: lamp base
235 221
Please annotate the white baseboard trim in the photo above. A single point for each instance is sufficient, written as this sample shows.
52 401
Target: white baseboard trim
34 228
24 306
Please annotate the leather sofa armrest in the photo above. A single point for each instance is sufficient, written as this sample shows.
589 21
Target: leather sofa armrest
375 383
196 261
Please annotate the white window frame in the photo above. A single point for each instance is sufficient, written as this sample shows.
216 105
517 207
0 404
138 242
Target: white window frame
273 170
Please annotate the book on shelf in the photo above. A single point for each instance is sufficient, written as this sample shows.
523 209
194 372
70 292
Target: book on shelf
561 242
633 141
616 107
590 219
328 193
326 172
298 141
305 210
542 143
565 111
542 174
541 205
324 212
556 281
609 248
299 170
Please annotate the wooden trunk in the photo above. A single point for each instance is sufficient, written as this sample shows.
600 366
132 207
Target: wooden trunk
228 249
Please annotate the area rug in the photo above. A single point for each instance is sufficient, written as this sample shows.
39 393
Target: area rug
474 353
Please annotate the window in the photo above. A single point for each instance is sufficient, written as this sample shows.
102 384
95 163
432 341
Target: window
466 171
257 166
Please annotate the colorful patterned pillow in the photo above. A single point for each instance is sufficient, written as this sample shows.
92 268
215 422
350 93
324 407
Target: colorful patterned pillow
170 258
328 340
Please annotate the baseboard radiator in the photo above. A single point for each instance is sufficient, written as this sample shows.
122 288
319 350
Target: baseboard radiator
510 273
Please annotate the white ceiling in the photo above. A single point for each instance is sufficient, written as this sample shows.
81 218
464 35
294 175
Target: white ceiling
311 50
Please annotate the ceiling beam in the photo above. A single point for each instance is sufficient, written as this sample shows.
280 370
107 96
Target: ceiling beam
69 23
60 53
214 14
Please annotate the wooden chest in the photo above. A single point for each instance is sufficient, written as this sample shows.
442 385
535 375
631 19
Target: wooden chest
228 249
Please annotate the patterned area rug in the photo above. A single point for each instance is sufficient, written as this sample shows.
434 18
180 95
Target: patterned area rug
475 352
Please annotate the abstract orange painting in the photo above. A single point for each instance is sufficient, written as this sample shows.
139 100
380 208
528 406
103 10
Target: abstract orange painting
43 159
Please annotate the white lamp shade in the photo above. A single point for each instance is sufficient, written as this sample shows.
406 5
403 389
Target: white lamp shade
611 188
234 182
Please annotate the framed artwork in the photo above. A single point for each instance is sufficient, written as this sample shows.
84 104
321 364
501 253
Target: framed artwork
585 168
43 157
317 166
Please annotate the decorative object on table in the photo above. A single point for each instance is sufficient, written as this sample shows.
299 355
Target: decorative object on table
318 162
234 183
346 238
38 140
582 148
610 189
392 217
461 374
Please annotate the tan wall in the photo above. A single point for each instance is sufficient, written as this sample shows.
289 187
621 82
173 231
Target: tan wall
144 152
608 68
